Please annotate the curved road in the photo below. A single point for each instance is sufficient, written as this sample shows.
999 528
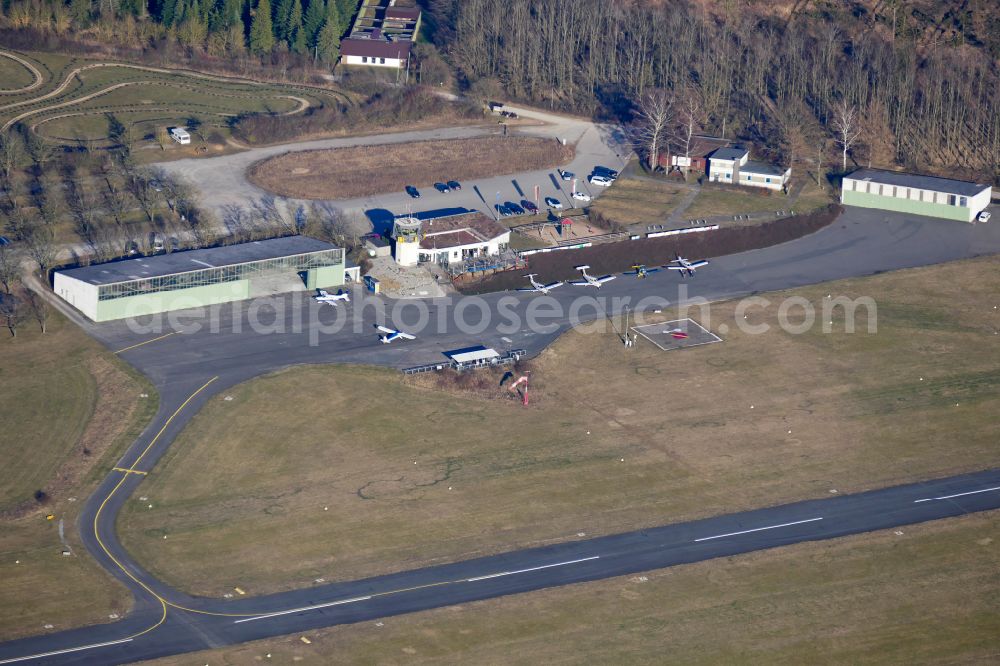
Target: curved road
189 366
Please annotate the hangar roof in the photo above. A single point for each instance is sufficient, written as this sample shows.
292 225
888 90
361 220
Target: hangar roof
932 183
195 260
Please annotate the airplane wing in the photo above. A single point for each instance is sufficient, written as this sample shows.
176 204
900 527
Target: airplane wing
528 289
405 336
386 330
581 283
698 264
553 285
606 278
671 267
652 270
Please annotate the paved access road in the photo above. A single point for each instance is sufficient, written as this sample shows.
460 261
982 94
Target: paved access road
222 180
188 368
148 633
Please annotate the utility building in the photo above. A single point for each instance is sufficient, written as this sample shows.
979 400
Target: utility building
919 195
196 278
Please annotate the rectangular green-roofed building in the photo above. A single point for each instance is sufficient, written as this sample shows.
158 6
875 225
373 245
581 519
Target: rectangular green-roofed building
196 278
919 195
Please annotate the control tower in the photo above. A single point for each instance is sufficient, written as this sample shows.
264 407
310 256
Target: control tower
406 236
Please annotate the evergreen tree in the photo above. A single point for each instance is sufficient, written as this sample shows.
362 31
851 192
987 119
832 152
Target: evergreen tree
167 12
80 11
281 17
177 13
313 21
296 35
328 41
261 33
193 30
346 9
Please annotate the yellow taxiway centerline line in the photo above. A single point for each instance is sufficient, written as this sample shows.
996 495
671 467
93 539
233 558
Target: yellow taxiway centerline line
167 335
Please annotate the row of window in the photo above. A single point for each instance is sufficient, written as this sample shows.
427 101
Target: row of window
899 192
727 175
373 59
222 274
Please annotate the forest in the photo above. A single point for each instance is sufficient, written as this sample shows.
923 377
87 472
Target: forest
911 83
918 79
226 29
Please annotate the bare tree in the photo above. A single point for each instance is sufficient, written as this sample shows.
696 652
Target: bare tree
39 308
83 207
267 210
332 225
655 115
12 153
10 269
10 312
141 185
41 246
691 115
115 199
846 126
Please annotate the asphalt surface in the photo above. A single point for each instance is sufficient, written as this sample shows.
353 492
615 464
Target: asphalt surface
211 624
191 356
222 180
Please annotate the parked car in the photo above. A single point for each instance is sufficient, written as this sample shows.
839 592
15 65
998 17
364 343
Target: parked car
603 181
412 191
581 196
984 216
4 241
605 171
566 175
529 206
514 208
156 242
131 248
503 210
442 188
552 202
455 185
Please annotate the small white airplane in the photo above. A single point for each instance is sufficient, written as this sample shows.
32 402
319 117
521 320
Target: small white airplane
538 287
686 265
324 296
591 281
392 334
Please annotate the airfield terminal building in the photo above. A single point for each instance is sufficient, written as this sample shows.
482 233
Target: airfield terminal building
918 195
197 278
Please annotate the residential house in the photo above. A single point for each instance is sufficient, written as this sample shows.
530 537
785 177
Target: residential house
733 165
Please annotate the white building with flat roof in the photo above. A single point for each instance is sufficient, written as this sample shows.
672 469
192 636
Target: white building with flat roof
912 193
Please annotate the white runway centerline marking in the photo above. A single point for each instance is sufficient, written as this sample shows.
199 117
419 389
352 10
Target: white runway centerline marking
544 566
302 610
944 497
758 529
66 651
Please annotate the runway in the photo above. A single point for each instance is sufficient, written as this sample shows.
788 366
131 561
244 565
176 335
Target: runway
510 573
190 366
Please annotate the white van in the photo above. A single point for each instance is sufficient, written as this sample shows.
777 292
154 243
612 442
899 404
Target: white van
180 135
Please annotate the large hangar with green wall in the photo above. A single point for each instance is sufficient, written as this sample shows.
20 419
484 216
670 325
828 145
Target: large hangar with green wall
915 194
196 278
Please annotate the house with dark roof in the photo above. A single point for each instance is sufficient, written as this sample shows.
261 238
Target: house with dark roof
915 194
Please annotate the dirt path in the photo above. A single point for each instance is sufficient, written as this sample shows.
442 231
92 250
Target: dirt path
39 79
58 90
303 104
